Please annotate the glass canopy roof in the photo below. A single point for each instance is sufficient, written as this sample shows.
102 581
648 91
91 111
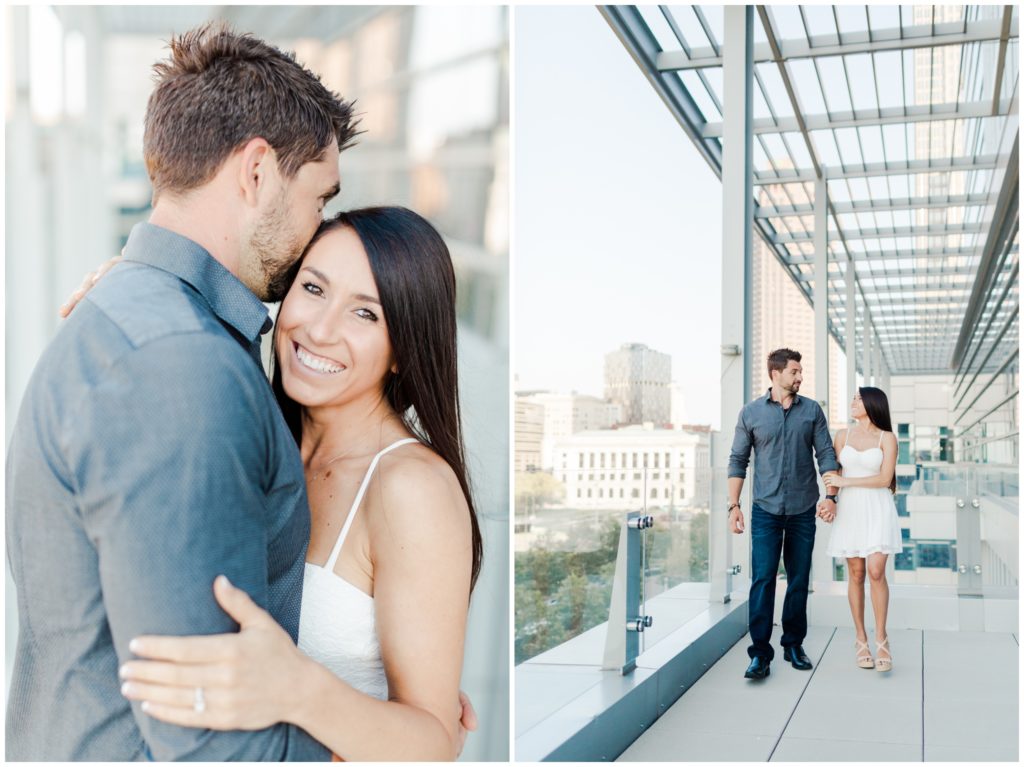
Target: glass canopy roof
910 113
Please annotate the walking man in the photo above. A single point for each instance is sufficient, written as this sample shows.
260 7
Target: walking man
783 429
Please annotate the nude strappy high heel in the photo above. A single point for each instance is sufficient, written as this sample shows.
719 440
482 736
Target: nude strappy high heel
883 664
864 659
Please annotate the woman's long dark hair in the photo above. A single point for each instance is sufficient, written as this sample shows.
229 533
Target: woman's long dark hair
876 405
416 284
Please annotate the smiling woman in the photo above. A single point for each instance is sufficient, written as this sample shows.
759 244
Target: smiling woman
365 339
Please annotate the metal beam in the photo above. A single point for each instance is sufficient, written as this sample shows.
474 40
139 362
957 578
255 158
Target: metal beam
821 360
1001 64
873 41
966 367
995 376
995 345
1004 219
915 113
870 206
887 232
871 169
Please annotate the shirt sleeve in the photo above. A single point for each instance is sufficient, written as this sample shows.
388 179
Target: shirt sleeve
739 457
170 458
823 448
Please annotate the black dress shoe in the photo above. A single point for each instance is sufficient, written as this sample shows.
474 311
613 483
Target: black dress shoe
759 668
797 657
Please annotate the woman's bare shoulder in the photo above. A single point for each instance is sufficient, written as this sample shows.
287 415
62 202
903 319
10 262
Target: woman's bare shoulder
418 490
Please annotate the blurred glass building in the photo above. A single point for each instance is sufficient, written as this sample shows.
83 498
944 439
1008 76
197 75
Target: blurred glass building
431 86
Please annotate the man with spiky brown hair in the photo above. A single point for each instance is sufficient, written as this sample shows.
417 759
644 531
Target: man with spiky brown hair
149 455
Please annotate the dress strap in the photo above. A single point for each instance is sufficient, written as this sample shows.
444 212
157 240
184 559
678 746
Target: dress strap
333 560
880 433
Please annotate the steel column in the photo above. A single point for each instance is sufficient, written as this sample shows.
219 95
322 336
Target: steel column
851 331
737 233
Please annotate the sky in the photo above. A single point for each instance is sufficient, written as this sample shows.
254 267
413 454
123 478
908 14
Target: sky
618 220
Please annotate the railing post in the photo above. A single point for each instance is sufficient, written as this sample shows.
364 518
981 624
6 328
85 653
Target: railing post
627 618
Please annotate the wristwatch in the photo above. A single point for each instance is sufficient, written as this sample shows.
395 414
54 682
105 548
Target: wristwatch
833 498
732 506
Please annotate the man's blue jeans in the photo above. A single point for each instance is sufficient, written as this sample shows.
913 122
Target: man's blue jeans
793 538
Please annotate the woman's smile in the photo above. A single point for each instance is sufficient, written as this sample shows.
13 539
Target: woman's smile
314 363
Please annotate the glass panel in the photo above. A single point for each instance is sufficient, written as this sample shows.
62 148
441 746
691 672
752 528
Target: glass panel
662 32
687 22
837 95
714 16
699 94
786 22
819 20
861 77
776 89
805 81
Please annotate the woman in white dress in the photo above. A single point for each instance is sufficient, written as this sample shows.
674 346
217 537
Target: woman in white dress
866 528
365 373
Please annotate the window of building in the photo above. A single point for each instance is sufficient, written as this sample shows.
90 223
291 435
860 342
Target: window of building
602 460
635 493
590 493
666 460
581 460
621 491
591 460
657 461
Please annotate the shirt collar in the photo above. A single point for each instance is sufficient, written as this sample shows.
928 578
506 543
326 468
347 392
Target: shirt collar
768 398
229 299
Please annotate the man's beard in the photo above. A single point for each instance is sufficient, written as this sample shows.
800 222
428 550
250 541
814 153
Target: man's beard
276 248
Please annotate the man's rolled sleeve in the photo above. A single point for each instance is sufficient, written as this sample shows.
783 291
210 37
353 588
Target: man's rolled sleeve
170 505
824 452
739 457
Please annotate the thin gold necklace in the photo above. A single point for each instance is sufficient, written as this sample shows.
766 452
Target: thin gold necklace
320 472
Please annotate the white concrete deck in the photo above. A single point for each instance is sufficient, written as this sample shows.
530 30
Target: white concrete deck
951 696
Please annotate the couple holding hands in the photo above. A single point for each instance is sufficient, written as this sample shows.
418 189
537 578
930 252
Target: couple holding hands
786 432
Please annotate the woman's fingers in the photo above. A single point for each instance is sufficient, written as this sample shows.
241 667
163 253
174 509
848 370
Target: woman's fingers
210 719
167 695
180 674
195 649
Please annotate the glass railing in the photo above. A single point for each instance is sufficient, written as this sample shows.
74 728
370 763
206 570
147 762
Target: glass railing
567 528
962 529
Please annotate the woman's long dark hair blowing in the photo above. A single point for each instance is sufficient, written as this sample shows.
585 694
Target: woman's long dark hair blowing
416 284
876 405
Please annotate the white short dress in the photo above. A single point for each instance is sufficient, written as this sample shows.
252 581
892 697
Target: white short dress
866 520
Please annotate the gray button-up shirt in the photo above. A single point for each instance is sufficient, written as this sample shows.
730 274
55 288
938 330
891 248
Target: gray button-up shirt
149 455
785 481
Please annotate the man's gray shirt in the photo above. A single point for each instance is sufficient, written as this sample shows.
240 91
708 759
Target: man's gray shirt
149 455
785 481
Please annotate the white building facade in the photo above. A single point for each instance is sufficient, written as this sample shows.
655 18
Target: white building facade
566 414
634 467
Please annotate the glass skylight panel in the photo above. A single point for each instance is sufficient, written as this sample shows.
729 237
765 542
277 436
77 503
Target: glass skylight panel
768 72
833 77
859 188
714 78
852 18
882 17
798 149
825 148
865 221
862 80
879 188
838 191
849 146
761 162
908 74
660 29
713 15
884 219
777 150
786 22
690 26
899 186
699 94
805 83
820 23
901 218
847 221
893 142
760 105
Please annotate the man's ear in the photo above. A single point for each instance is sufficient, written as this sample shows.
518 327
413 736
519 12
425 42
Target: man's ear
257 163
